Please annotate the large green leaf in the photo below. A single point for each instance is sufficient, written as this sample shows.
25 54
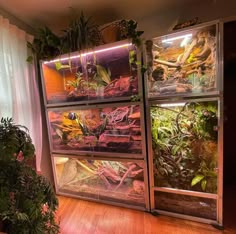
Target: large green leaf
103 74
175 149
22 216
60 66
203 184
197 179
155 134
165 130
72 83
132 56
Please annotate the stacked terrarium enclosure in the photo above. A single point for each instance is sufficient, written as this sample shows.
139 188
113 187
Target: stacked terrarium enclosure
184 120
96 124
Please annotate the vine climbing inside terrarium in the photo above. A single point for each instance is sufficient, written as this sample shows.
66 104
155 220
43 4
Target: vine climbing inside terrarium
184 142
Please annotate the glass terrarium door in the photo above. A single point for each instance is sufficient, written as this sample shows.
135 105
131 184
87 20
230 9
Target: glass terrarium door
107 73
95 121
183 63
118 181
185 155
114 129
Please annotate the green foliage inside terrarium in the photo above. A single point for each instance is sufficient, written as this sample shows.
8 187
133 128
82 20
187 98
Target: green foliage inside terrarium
27 200
184 140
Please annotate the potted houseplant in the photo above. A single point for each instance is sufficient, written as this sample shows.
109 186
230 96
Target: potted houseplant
27 200
82 33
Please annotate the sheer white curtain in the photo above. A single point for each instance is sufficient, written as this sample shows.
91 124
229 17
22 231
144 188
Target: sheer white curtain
19 97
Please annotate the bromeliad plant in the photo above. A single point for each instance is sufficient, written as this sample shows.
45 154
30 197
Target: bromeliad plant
185 146
27 200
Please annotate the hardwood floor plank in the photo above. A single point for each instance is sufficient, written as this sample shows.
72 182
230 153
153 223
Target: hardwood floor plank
84 217
111 220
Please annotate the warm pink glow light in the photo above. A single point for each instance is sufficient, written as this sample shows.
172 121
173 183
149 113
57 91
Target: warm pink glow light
85 54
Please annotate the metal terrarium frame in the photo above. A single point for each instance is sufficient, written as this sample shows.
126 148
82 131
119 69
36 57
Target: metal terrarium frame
216 95
217 197
108 154
150 188
82 55
104 176
90 155
176 34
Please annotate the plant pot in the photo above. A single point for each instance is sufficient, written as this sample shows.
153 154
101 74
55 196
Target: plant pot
110 32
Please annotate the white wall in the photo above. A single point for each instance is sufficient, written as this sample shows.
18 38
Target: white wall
206 10
15 21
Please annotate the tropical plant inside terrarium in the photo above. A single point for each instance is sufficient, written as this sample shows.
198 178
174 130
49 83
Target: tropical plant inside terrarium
78 82
98 77
184 140
27 200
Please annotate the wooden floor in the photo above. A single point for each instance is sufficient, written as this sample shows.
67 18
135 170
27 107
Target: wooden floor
84 217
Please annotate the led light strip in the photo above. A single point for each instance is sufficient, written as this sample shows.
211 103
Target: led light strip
172 104
85 54
176 38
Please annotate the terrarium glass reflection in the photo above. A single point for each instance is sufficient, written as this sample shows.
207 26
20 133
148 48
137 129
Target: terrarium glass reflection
105 73
183 63
114 128
184 142
115 181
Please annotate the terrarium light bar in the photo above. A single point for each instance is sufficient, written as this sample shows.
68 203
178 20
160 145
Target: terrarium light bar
176 38
88 53
172 104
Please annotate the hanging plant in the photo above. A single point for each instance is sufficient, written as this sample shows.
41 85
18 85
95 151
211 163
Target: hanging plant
81 34
45 45
128 29
184 141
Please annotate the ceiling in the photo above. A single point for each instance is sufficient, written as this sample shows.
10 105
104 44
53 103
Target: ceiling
57 13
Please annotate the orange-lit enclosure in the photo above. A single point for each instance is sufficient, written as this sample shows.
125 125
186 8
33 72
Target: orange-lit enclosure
97 74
